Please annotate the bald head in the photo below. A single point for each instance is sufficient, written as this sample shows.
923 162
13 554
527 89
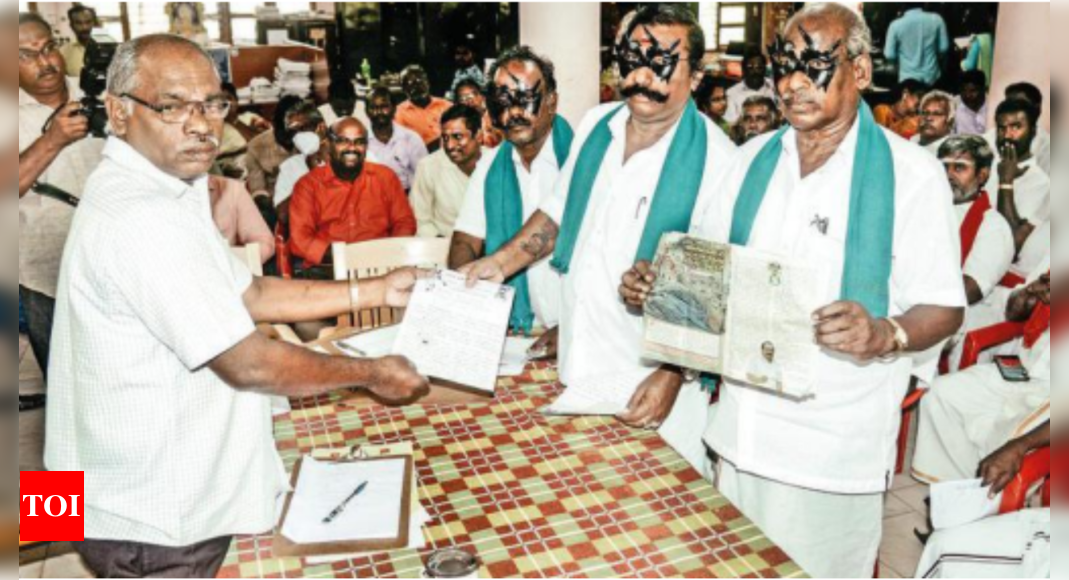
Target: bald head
348 148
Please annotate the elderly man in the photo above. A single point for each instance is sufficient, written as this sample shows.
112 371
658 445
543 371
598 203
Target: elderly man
938 113
159 373
421 113
987 248
509 186
759 116
755 83
442 179
56 156
399 148
970 415
1021 189
873 215
634 174
348 200
471 94
82 20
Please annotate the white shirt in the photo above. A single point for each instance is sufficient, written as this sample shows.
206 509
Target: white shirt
969 122
438 194
932 147
992 252
293 169
402 154
599 336
43 221
536 187
1037 359
149 295
738 94
1031 191
842 440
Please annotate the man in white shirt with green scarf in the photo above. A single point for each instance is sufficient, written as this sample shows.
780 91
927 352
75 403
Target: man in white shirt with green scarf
874 213
634 173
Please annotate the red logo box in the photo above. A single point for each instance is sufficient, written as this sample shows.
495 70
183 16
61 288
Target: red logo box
51 506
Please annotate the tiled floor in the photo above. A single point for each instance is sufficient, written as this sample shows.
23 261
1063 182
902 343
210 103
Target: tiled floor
903 513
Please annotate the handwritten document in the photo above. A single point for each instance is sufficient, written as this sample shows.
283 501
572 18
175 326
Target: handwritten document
455 333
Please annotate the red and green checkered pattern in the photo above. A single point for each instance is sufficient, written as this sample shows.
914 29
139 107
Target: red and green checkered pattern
533 496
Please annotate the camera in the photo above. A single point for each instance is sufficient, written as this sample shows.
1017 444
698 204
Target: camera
94 81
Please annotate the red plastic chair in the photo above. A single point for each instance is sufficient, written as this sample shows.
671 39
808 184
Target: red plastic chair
1036 469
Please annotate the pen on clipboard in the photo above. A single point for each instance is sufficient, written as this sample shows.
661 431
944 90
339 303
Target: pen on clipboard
341 507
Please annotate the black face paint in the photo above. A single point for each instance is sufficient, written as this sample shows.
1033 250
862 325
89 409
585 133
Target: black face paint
502 100
819 65
661 60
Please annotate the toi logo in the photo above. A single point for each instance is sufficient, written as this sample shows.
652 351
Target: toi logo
52 506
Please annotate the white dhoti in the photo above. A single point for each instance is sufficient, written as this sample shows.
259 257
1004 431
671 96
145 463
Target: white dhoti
829 535
685 426
970 415
1011 546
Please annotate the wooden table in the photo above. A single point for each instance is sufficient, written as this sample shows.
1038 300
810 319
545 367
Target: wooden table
532 496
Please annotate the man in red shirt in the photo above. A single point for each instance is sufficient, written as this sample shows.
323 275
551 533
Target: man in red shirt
422 112
348 200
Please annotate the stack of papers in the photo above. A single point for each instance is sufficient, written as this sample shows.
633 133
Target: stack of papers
262 90
294 78
601 395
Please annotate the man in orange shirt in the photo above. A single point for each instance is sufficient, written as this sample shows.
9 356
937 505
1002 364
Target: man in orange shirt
421 112
348 200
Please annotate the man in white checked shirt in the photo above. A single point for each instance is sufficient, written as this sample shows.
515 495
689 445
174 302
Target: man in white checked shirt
159 374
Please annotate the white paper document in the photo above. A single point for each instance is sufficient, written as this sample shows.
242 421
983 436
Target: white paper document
372 344
455 333
959 503
374 514
603 395
514 360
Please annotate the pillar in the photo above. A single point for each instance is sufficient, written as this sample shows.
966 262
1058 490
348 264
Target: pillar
1022 51
569 34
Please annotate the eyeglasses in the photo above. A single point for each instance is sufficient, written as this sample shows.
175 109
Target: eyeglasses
180 112
26 56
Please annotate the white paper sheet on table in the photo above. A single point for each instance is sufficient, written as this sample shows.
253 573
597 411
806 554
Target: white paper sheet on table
598 395
514 360
959 503
323 486
455 333
373 344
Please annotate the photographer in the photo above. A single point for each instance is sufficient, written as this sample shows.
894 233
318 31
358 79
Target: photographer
56 157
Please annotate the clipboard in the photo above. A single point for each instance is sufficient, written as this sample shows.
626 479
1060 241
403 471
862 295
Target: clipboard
283 547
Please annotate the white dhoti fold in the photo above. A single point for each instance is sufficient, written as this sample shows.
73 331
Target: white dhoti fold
829 535
970 415
685 426
1010 546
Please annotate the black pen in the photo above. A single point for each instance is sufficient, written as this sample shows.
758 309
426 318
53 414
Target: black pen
341 508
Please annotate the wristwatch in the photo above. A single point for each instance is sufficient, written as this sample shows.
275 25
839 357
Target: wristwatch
900 336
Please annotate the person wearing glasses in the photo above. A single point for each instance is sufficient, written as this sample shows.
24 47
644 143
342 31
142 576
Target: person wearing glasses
55 150
938 113
347 200
159 374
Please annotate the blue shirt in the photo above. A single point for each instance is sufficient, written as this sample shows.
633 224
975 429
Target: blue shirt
917 42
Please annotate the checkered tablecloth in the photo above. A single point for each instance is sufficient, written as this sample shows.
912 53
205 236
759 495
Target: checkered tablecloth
533 496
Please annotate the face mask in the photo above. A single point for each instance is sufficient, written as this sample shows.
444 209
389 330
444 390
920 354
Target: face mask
819 65
529 100
662 61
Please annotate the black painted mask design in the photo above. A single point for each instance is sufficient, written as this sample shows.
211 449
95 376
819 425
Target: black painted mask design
659 59
819 65
502 99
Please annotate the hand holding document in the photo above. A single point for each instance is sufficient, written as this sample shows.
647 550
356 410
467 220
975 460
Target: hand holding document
959 503
455 333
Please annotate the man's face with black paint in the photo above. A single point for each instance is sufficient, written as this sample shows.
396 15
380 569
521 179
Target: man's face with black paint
520 103
649 94
810 103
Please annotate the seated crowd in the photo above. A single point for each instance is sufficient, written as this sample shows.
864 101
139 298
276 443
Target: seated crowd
493 174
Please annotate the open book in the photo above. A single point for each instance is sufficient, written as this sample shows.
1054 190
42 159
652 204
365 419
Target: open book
735 312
